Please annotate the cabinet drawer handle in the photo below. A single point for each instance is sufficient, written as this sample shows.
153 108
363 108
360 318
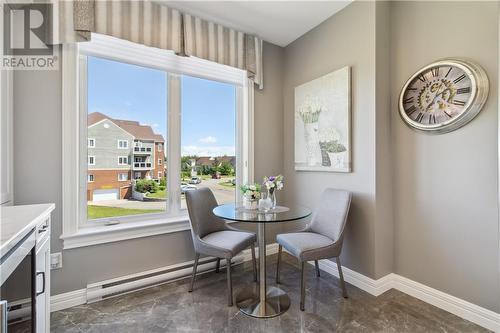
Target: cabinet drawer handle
43 284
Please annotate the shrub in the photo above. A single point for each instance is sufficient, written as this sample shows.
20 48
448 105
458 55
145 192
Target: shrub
163 182
225 169
146 185
162 188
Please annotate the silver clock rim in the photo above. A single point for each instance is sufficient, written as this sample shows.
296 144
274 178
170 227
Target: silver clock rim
480 92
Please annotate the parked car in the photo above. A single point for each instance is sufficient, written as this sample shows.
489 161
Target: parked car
233 181
216 175
187 187
195 180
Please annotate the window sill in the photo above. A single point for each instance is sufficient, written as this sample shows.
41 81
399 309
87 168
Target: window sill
119 232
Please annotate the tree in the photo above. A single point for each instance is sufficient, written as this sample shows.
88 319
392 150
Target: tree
226 168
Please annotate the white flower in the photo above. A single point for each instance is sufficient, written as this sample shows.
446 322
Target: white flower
252 187
329 134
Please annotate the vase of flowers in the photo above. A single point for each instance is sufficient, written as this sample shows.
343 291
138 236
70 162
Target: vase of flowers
273 184
309 112
251 195
332 151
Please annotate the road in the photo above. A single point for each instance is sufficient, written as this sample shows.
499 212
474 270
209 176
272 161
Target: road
222 194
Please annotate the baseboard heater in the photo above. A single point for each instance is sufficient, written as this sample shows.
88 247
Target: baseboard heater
134 282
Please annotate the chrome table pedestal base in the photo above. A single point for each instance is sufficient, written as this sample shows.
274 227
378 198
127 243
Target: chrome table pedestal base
276 302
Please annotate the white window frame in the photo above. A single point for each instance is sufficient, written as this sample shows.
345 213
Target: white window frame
160 146
89 141
123 157
88 178
89 158
77 232
123 173
120 141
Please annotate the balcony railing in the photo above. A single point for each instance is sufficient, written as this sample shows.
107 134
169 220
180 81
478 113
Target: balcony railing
142 165
146 150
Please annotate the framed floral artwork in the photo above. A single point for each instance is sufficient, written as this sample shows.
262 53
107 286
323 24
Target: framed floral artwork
323 123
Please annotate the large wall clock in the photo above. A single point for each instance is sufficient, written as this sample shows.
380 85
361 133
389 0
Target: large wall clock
443 96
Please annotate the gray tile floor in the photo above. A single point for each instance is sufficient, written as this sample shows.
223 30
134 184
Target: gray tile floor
170 308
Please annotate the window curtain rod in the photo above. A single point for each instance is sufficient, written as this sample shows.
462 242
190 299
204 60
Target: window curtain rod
156 25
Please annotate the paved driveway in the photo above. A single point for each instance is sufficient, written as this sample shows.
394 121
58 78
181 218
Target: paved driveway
222 194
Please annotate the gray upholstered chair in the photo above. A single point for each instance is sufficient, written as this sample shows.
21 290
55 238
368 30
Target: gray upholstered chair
321 239
213 237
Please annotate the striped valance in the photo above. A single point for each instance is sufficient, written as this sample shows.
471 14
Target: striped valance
154 24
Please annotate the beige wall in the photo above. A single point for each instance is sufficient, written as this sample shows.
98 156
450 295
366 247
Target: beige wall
339 41
37 115
446 192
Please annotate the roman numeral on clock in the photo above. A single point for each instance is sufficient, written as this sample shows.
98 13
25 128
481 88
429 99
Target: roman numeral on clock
447 114
410 111
435 71
463 90
460 78
432 119
408 100
459 103
419 118
422 78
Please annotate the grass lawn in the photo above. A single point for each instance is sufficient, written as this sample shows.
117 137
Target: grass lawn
97 212
160 194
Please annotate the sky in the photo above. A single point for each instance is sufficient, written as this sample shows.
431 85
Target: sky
124 91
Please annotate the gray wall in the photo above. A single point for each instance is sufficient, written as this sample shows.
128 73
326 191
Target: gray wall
347 38
446 195
37 147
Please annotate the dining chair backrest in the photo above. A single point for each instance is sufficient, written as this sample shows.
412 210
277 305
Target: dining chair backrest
200 204
330 217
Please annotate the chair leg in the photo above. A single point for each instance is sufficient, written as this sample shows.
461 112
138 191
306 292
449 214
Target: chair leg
217 265
197 256
302 285
317 268
280 249
342 283
254 263
229 284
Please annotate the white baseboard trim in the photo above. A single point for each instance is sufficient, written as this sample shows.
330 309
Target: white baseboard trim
459 307
68 300
474 313
94 291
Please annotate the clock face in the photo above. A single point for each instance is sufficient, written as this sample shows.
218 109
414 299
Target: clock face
442 96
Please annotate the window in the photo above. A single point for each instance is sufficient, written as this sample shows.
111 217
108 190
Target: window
148 90
91 160
91 143
90 178
122 177
122 144
208 141
123 160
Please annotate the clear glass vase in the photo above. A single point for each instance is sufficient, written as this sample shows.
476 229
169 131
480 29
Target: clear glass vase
272 195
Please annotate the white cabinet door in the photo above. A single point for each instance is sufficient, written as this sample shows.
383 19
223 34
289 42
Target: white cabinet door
43 288
6 128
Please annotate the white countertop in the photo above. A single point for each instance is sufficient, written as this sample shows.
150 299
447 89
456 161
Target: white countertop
18 221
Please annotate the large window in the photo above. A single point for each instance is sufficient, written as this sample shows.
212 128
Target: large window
208 137
164 125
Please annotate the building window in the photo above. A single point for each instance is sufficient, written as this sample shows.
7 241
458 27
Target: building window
91 143
90 178
122 177
169 86
123 160
122 144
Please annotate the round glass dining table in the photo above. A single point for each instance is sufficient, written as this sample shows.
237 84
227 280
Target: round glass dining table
260 301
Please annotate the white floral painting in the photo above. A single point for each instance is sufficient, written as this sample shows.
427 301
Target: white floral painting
322 123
